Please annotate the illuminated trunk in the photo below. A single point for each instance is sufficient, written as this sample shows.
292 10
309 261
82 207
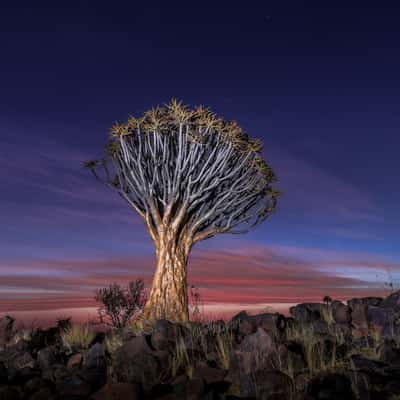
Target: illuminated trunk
168 296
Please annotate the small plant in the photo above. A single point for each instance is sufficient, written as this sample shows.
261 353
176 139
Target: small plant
78 336
120 305
195 303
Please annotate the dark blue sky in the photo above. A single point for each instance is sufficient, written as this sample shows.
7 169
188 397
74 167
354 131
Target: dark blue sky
319 84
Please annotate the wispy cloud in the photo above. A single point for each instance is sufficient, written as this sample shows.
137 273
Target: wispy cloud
248 275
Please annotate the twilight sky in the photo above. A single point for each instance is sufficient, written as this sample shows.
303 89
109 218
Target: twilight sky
319 85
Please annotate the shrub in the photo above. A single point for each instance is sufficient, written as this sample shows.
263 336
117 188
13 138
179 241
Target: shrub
195 302
120 305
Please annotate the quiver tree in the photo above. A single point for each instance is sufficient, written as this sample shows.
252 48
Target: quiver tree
190 175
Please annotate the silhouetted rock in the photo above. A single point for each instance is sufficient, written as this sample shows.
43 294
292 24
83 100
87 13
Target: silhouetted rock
308 312
341 313
164 335
330 387
96 356
74 385
119 391
6 329
9 393
44 393
392 301
75 361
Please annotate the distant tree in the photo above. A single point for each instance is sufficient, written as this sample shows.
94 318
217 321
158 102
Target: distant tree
120 305
190 175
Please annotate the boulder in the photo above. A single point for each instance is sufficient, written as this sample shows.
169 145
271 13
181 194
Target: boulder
290 355
259 341
3 374
330 387
340 312
96 356
273 385
263 384
6 329
119 391
164 335
392 301
47 357
136 362
209 375
380 316
34 384
9 393
44 393
270 322
73 385
242 324
368 301
20 376
308 312
389 352
74 361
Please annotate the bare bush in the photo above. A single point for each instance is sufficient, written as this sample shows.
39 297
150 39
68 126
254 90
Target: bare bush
120 305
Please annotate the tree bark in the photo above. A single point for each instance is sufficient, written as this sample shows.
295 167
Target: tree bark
168 297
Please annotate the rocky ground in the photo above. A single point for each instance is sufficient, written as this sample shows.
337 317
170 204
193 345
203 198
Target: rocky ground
322 352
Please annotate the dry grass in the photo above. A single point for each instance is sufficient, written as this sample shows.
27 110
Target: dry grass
224 342
113 341
180 359
78 335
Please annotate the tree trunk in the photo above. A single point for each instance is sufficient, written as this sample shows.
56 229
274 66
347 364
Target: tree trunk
168 297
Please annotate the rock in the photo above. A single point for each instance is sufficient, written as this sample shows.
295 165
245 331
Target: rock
135 362
380 316
320 328
43 338
9 393
308 312
392 301
273 385
340 312
290 355
260 341
95 377
44 393
359 313
119 391
3 374
164 335
389 352
330 387
96 357
34 384
270 322
371 367
209 375
6 329
75 361
341 331
134 346
47 357
194 389
73 385
242 324
20 376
